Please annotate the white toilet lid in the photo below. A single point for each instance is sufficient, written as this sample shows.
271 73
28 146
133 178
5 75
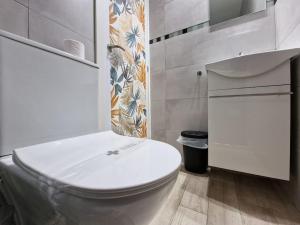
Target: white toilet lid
100 163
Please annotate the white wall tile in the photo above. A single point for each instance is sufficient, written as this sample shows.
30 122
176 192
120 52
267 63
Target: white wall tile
209 45
182 56
186 114
183 82
172 137
76 15
158 86
14 17
157 22
23 2
50 33
256 35
198 47
292 40
287 18
74 18
182 50
182 14
158 115
157 57
159 135
155 4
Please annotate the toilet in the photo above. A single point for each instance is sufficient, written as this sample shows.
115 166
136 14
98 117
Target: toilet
97 179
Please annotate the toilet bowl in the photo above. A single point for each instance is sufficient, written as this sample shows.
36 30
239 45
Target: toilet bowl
97 179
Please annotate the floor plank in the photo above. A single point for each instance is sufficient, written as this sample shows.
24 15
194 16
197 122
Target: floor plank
225 198
185 216
169 209
256 200
223 205
286 214
256 215
195 195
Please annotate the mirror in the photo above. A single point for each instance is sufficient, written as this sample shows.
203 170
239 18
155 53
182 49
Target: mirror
223 10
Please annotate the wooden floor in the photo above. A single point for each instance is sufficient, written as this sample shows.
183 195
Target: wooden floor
225 198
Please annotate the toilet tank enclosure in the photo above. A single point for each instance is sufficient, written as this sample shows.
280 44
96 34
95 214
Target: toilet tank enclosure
45 94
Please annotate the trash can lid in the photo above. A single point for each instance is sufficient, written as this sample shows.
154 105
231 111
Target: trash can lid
194 134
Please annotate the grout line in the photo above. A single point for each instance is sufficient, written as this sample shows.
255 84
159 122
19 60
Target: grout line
185 183
195 211
26 6
200 63
2 156
178 99
192 98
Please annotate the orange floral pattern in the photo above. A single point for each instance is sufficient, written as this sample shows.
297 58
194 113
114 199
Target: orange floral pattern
128 67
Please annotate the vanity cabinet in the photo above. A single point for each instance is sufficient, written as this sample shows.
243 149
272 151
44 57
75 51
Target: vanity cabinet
249 114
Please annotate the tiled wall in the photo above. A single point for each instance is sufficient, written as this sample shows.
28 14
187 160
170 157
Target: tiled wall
50 22
287 36
178 95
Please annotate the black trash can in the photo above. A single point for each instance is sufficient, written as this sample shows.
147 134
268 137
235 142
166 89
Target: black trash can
195 158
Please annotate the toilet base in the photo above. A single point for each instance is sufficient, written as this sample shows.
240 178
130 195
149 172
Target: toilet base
37 203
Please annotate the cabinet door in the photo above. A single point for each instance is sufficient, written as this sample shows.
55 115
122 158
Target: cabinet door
251 134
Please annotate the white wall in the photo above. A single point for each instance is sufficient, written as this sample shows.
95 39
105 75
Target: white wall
288 36
50 22
179 97
287 24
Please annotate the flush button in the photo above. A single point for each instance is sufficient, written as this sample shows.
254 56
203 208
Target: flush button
113 152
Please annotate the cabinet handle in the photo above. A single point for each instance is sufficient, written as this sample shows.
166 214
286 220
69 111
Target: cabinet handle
246 95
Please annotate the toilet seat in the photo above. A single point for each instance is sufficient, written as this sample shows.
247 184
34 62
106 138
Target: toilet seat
101 165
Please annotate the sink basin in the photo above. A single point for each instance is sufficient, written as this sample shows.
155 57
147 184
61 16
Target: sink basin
252 65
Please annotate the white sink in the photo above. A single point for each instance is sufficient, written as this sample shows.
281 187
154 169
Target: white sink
252 65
